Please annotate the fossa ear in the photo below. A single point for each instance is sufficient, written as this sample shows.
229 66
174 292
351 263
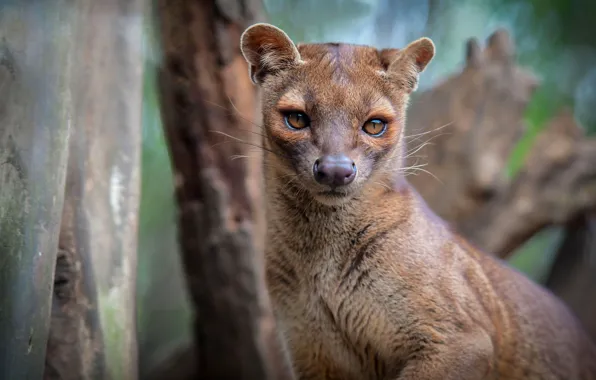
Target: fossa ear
267 49
407 64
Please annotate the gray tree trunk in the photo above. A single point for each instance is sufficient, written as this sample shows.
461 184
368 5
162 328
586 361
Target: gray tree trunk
93 330
35 118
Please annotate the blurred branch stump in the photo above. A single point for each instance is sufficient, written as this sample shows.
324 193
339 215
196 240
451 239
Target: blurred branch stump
556 185
464 130
219 196
93 323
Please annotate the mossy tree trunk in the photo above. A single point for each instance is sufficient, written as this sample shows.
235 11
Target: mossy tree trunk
35 115
93 329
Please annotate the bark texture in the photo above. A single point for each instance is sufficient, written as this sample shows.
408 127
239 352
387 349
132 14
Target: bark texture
93 329
464 130
35 54
206 97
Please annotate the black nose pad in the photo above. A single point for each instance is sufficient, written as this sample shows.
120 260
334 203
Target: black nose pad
334 170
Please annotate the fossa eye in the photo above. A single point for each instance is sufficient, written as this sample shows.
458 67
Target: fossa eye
374 127
296 120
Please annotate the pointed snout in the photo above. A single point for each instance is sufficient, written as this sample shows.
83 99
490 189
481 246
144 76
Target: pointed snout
334 170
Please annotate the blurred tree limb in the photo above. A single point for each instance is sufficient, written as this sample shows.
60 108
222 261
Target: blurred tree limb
464 130
556 185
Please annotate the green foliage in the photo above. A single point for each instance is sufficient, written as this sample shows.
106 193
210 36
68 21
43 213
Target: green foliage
536 257
544 106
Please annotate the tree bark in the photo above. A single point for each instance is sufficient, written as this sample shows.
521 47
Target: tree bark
35 106
93 329
206 97
572 277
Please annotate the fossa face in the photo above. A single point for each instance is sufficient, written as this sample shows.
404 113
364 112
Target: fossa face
333 113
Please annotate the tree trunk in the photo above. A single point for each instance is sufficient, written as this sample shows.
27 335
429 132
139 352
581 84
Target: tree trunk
93 330
35 55
573 275
206 97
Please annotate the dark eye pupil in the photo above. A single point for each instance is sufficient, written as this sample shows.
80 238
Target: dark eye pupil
374 127
297 120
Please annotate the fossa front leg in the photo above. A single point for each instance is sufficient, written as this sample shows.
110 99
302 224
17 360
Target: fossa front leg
316 368
468 358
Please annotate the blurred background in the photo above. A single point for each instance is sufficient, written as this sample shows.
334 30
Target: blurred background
553 43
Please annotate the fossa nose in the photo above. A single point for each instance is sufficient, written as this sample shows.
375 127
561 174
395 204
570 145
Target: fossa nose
334 170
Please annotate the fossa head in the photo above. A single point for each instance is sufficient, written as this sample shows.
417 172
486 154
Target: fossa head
333 113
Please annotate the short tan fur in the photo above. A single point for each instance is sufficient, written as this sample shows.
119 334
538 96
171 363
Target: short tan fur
366 282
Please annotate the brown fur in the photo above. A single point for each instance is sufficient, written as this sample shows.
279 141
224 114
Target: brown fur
372 285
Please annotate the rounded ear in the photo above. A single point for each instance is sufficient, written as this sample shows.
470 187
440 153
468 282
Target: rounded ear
267 49
412 60
421 52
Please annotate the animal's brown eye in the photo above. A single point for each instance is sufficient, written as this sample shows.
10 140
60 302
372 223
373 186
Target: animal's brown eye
296 120
374 127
